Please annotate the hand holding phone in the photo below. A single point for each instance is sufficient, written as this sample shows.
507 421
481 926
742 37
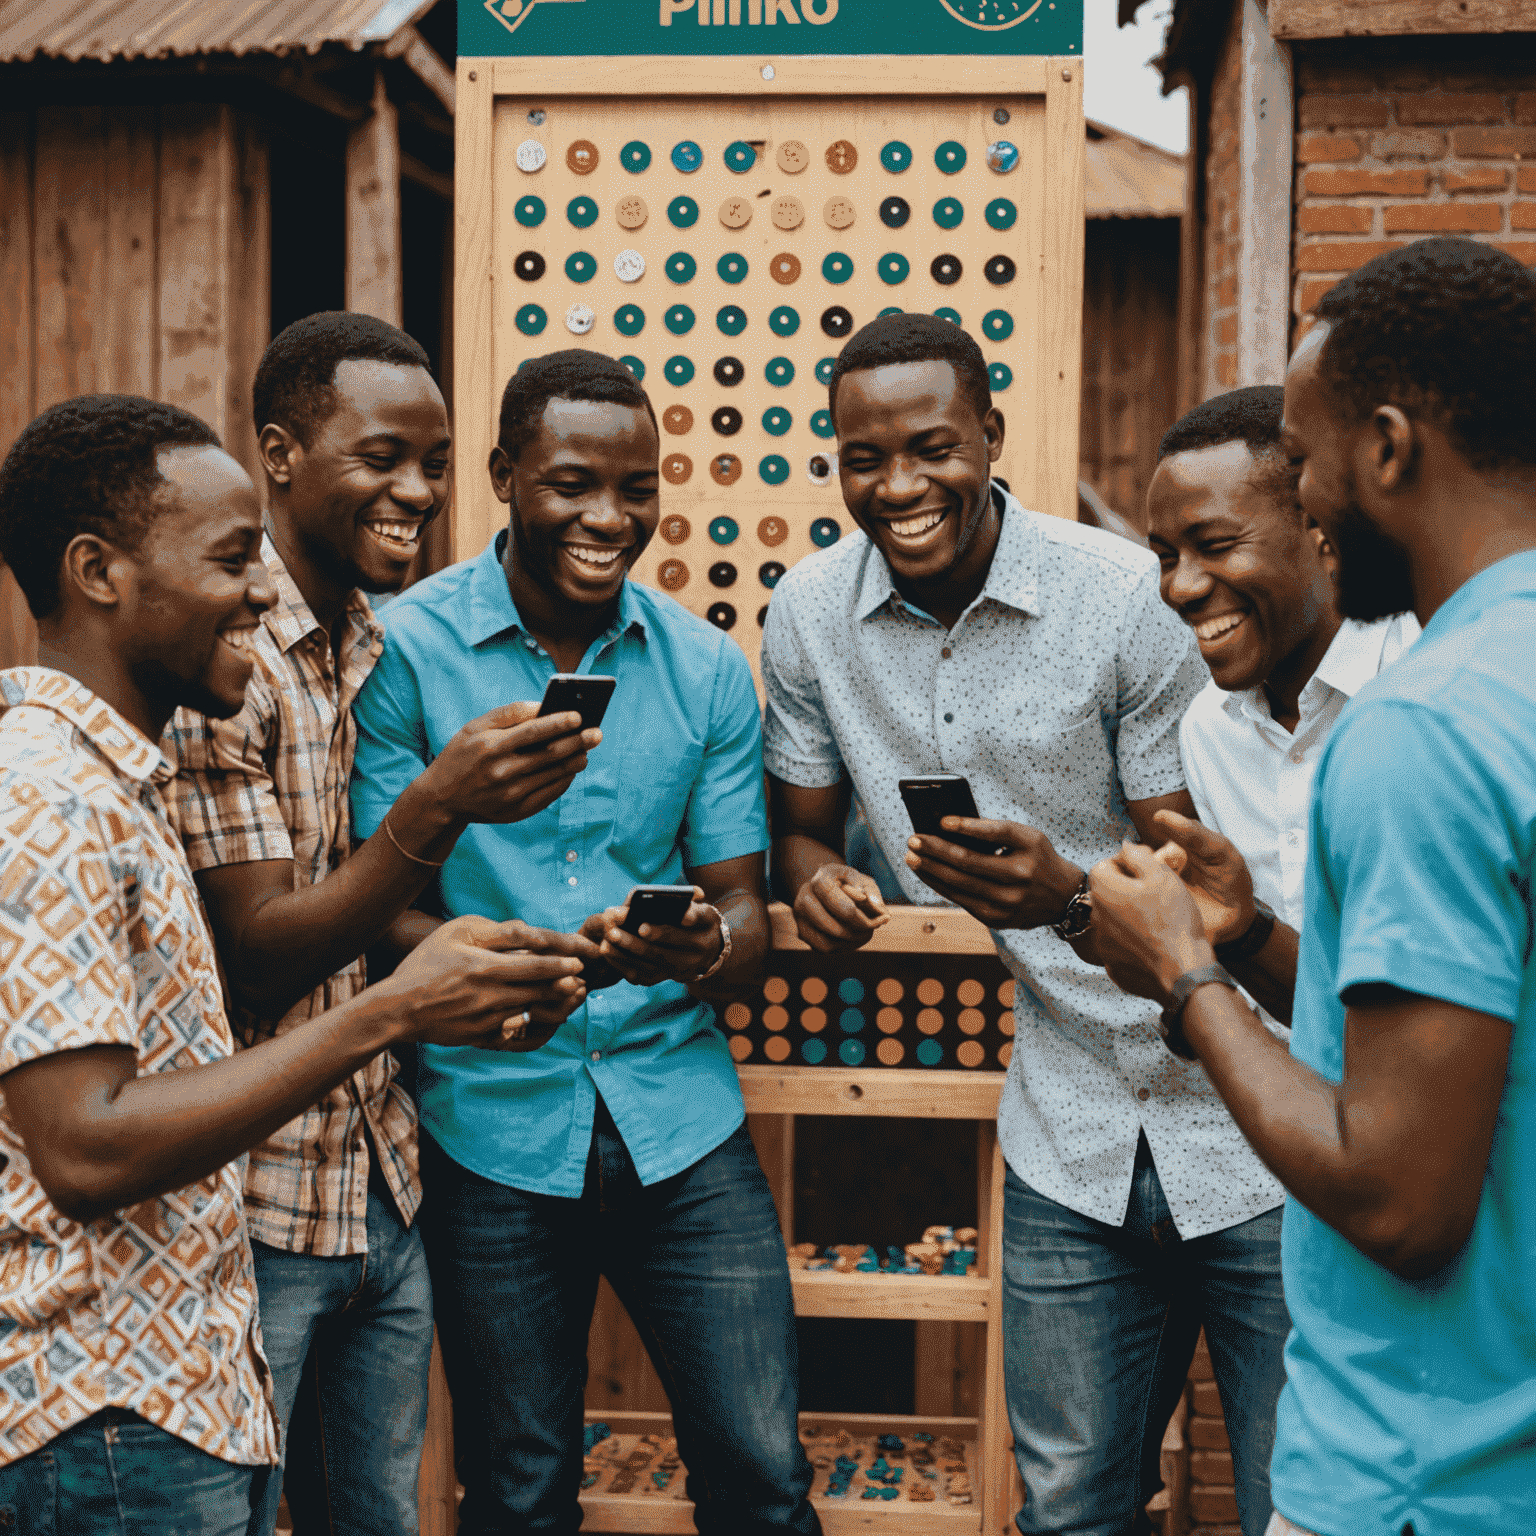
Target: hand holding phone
586 694
931 797
682 937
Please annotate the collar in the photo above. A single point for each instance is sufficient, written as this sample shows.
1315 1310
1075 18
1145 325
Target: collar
128 752
1013 578
1352 659
290 619
1509 577
492 611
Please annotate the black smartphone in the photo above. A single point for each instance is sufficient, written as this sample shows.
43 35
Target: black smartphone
662 906
932 797
586 693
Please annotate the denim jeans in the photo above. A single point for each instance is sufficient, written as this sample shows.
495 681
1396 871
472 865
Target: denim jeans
368 1318
116 1474
698 1262
1099 1329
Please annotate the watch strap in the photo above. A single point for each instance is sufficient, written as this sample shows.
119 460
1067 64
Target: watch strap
1179 994
1252 939
1075 921
725 949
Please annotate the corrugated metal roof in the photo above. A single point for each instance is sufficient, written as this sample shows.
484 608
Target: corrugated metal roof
135 29
1128 178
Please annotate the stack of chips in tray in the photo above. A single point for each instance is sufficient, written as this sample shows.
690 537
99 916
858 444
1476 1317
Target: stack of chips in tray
940 1251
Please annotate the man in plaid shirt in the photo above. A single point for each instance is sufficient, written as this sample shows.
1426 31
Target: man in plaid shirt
354 440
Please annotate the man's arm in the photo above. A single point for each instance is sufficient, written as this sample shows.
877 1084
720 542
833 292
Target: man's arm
835 907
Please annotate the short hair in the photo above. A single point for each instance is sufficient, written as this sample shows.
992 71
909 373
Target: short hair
1251 416
1444 329
85 466
908 338
295 384
571 374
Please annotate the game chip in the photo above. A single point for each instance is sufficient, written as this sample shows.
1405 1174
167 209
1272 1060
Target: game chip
687 157
579 319
580 267
1000 375
784 321
1001 213
725 468
948 212
946 270
681 267
836 321
740 157
780 371
729 372
635 366
529 211
732 267
531 319
582 212
735 213
675 470
726 421
792 157
997 325
581 157
946 313
629 320
722 574
1000 270
1002 156
772 531
769 573
841 157
682 211
631 211
672 575
896 157
678 370
635 156
531 156
774 469
679 319
786 212
894 212
893 268
678 420
724 530
825 532
821 424
528 265
950 157
837 267
629 266
824 370
676 528
777 421
784 268
721 615
838 213
732 320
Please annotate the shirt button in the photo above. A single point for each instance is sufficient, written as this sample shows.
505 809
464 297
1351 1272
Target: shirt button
570 855
1143 1094
1298 757
945 653
571 880
949 719
1293 836
597 1055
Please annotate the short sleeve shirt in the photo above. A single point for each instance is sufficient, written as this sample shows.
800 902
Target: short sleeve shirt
151 1308
676 784
1058 695
1415 1401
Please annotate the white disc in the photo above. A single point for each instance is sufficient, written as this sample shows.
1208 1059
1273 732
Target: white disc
579 318
629 266
530 155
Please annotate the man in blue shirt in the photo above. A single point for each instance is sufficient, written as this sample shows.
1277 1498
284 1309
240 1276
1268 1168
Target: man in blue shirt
1403 1123
619 1147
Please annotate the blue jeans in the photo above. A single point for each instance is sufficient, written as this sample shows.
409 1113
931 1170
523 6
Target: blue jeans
116 1474
698 1262
368 1318
1099 1329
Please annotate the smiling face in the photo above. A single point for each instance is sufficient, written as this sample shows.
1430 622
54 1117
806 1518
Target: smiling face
1239 566
376 473
198 587
915 460
585 500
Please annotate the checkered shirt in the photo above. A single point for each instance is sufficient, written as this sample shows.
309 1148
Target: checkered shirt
272 784
103 942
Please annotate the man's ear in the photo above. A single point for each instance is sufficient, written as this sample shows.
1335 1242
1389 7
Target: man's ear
992 427
278 449
1389 446
1325 550
500 467
98 571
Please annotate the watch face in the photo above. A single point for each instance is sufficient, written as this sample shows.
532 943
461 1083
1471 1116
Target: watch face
991 15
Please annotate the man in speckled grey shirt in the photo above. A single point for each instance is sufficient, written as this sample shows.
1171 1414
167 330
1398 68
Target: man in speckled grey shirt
960 632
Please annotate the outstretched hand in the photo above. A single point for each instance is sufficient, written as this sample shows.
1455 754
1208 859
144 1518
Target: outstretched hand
1213 870
1147 926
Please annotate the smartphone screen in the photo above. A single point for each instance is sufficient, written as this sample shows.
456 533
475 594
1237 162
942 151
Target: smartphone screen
932 797
587 694
663 906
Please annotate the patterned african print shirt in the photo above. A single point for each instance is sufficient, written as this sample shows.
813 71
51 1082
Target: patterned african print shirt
103 942
272 784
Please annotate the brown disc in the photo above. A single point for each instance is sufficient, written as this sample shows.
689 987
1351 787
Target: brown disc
970 1053
784 268
735 213
675 469
787 212
775 989
672 574
726 468
775 1048
838 213
741 1047
631 211
890 1052
792 157
581 157
675 528
841 157
677 419
772 531
813 989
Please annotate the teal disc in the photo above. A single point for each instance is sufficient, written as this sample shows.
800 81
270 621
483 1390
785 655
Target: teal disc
893 268
732 320
635 366
740 157
780 371
813 1051
681 266
531 319
582 212
580 267
724 530
825 532
1001 213
678 369
529 211
784 321
997 325
776 422
635 156
896 157
952 315
837 268
851 1052
683 212
679 319
851 1020
687 157
893 309
950 157
930 1053
948 212
821 424
629 320
1000 375
774 469
732 267
824 370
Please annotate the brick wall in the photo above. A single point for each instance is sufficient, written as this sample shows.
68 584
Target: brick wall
1223 230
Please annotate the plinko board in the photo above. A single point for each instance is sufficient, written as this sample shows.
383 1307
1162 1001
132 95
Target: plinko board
723 224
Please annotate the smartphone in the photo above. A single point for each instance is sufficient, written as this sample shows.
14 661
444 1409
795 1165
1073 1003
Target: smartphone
934 796
587 694
662 906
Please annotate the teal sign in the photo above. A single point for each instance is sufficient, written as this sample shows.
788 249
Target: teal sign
582 28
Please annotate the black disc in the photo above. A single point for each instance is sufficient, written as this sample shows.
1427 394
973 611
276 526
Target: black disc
722 574
894 212
1000 270
529 266
726 421
721 615
762 615
946 269
729 371
836 321
770 572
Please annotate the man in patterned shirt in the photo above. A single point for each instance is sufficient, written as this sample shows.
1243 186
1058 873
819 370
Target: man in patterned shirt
354 442
134 1395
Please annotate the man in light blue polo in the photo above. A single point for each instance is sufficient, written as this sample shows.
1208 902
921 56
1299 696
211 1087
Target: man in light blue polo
619 1147
1403 1121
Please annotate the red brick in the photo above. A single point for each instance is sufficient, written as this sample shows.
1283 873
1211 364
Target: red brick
1226 292
1524 251
1450 107
1341 255
1311 292
1311 147
1443 218
1404 183
1409 144
1335 219
1208 1434
1525 107
1226 331
1207 1399
1213 1468
1349 112
1523 216
1213 1504
1494 143
1226 370
1485 178
1525 179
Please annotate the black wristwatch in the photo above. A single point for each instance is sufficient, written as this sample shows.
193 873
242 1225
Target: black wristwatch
1179 995
1252 939
1075 921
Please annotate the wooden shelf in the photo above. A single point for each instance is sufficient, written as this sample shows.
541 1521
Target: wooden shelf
922 1298
901 1093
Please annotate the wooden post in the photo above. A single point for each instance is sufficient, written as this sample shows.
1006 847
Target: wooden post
373 212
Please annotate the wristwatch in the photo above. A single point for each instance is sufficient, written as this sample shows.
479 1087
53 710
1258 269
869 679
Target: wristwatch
1252 939
725 952
1075 921
1179 995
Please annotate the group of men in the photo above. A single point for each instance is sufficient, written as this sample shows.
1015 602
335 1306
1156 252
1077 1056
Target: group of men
1270 918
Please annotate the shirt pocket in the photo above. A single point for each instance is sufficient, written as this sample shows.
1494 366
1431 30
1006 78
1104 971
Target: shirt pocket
653 793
